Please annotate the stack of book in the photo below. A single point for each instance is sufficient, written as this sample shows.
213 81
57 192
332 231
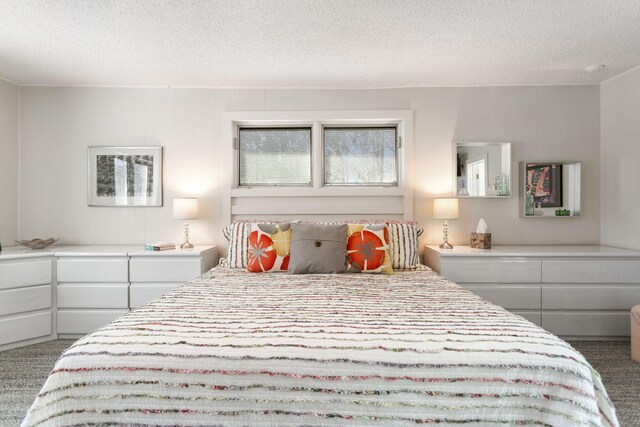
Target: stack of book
160 246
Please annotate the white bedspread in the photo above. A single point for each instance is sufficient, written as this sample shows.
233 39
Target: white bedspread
235 348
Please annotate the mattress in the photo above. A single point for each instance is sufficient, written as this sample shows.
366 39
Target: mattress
236 348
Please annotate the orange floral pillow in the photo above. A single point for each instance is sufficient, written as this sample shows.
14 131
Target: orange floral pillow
368 248
269 248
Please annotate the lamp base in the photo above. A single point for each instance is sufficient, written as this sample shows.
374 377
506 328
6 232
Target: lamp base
186 245
446 245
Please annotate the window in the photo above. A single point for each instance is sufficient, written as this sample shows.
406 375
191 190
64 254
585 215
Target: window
274 156
360 156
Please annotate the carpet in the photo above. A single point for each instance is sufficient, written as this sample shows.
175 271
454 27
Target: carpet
24 370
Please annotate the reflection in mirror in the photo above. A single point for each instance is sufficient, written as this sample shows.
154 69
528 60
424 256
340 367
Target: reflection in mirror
483 169
550 189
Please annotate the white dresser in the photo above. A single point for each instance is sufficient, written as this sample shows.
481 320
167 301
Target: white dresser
93 287
155 273
27 297
572 291
68 291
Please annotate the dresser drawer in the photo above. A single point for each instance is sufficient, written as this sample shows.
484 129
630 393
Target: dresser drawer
25 299
587 324
591 271
29 273
142 293
93 295
24 327
164 269
605 297
534 317
509 297
486 270
93 270
85 321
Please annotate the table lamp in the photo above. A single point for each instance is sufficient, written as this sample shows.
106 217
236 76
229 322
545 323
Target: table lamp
185 208
445 209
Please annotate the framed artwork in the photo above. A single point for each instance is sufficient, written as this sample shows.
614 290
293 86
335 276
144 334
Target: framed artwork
545 182
125 176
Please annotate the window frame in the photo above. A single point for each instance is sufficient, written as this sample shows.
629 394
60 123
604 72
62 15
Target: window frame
237 167
355 126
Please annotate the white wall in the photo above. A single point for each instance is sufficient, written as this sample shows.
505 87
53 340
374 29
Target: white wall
9 140
620 144
545 123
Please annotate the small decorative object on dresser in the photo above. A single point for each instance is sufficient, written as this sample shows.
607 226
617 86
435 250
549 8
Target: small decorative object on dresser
125 176
186 209
481 239
37 243
445 209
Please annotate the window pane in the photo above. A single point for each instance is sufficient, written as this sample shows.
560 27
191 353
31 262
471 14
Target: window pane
360 156
270 156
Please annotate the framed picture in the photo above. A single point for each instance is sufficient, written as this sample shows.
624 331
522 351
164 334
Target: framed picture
545 182
125 176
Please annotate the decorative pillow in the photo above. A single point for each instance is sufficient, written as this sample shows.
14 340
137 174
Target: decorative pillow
237 234
269 248
317 248
368 248
405 252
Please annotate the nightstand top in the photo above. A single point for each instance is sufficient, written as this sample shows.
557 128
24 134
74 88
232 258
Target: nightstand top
533 251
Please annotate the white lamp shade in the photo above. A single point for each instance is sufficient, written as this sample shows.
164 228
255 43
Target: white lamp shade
185 208
445 208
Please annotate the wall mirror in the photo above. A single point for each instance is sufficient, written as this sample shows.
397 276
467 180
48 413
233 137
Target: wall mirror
483 169
550 189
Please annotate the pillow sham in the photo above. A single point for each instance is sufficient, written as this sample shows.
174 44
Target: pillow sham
368 248
269 248
237 233
404 246
318 249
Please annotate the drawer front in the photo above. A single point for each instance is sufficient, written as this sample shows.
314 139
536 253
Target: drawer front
605 297
93 295
25 327
142 293
85 321
532 316
509 297
162 269
30 273
491 270
93 270
591 271
587 324
25 299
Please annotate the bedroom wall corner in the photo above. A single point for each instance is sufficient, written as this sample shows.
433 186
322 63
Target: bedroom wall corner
620 152
9 161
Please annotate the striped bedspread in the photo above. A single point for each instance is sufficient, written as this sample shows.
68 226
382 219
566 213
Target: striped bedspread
235 348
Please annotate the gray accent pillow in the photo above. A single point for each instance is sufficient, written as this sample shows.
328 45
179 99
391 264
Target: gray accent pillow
317 248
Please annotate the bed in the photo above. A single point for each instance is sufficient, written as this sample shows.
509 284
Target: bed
236 348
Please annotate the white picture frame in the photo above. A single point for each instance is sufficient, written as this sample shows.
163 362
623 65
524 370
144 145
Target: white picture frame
125 176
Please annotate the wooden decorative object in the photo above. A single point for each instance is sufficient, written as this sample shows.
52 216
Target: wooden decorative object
37 243
481 240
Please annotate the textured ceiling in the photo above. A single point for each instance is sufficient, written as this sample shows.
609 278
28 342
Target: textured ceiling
307 43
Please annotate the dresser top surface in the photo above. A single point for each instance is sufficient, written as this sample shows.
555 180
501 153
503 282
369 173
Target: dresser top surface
17 252
536 251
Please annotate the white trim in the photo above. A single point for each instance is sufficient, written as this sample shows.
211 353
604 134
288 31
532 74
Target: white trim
403 119
620 74
426 86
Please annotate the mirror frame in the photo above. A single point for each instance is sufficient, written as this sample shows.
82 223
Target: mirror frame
506 166
572 200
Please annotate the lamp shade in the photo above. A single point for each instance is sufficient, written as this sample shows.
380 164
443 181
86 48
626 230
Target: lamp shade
185 208
445 208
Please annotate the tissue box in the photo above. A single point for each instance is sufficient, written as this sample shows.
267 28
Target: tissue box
481 240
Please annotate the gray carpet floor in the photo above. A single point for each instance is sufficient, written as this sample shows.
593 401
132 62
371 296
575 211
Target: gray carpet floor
24 370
